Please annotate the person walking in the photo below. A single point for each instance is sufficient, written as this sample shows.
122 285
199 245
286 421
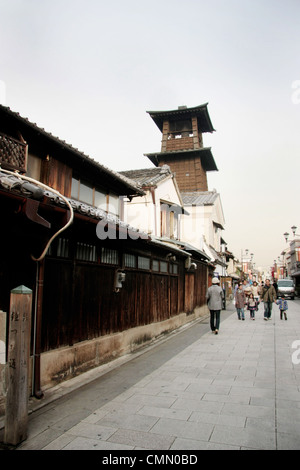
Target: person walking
255 291
252 306
283 307
214 298
247 290
240 302
268 296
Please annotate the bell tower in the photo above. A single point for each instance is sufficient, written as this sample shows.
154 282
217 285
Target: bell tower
182 145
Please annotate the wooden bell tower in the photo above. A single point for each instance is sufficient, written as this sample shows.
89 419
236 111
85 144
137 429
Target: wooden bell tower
182 145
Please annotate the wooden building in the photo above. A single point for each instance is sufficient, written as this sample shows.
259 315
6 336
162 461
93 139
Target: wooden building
182 148
182 145
101 288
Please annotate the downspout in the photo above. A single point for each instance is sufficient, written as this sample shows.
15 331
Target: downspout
40 268
37 337
47 188
152 191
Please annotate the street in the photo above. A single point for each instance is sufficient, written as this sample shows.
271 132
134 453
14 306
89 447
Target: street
190 391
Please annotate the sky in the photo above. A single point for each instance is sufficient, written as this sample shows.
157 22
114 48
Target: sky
88 70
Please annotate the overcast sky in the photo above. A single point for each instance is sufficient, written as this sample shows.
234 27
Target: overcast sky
88 70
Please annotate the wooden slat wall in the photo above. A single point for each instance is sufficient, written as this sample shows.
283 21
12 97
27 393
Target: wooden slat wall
79 302
57 175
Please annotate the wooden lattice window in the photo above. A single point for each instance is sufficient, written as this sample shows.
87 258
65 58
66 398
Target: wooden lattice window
13 154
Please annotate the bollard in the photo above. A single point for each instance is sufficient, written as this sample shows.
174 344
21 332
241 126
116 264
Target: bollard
16 415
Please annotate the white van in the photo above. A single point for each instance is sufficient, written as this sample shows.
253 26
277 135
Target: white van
286 288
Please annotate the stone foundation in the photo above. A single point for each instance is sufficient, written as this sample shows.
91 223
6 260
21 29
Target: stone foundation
64 363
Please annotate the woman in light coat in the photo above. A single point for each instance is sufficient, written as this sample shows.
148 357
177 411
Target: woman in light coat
214 298
255 291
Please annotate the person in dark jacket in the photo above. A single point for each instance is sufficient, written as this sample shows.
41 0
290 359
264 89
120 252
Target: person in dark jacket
240 299
214 298
268 296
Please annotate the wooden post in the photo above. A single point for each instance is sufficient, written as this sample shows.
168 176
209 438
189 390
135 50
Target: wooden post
16 415
2 360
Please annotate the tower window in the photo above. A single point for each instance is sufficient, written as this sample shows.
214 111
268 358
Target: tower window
178 129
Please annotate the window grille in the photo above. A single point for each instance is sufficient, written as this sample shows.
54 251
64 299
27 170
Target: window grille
155 265
63 248
143 263
60 248
13 153
129 260
86 252
163 266
173 268
109 256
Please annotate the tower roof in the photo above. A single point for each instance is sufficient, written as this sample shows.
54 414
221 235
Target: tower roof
201 112
205 154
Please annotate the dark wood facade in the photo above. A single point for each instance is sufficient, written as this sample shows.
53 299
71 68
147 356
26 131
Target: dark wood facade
85 307
79 302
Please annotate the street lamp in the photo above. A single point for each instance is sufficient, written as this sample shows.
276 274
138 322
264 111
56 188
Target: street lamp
286 234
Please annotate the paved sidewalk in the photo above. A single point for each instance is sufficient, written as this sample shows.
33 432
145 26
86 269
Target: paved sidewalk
193 391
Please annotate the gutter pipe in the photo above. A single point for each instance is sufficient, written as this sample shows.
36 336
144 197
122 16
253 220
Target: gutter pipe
40 267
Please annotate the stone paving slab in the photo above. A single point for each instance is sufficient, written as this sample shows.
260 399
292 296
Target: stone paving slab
195 391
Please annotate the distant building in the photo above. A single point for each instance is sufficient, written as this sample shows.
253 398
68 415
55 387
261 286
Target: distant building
158 212
292 262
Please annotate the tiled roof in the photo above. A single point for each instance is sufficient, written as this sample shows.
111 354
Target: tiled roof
201 112
199 198
131 185
185 246
207 159
148 176
16 185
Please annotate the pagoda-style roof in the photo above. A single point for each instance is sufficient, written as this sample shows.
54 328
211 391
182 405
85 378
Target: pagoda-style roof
201 112
207 159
